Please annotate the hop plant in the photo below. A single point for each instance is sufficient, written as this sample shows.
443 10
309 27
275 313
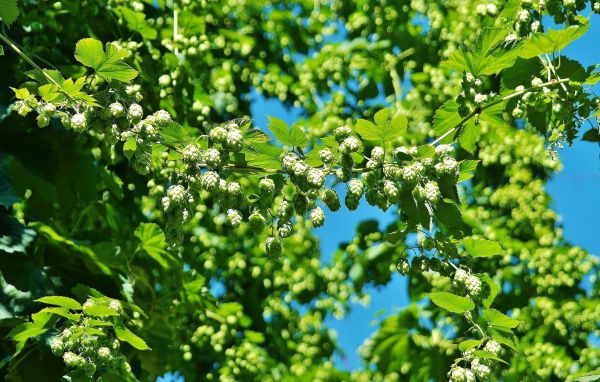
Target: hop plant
479 369
266 188
79 122
342 132
210 181
212 157
331 200
284 228
326 156
473 285
315 178
460 374
355 188
135 113
234 140
273 246
317 217
256 221
116 109
493 347
234 217
218 134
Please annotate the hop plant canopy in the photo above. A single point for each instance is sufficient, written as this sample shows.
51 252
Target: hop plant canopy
133 179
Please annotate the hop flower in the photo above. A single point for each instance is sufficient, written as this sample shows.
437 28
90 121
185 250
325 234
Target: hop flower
473 285
315 177
273 246
349 145
78 122
104 353
135 112
523 15
288 161
256 221
403 266
116 109
218 134
176 193
326 156
447 166
284 228
431 192
317 217
162 117
210 181
355 188
493 347
351 202
409 173
48 108
234 140
391 191
233 189
480 370
234 217
537 82
116 306
57 346
43 120
90 369
266 187
191 153
342 132
331 199
164 80
212 157
460 374
460 275
73 360
377 154
285 209
300 168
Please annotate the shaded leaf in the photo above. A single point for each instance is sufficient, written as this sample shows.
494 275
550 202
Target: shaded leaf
62 301
452 302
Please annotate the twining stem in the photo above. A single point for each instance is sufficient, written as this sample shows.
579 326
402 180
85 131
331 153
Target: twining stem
499 100
25 57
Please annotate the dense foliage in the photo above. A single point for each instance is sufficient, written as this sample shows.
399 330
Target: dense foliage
133 180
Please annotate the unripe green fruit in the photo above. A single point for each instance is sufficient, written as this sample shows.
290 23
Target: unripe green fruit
235 140
403 266
273 246
285 209
342 132
218 134
78 122
377 154
135 113
266 188
315 178
301 204
326 156
288 161
355 188
331 200
43 120
234 217
257 222
351 202
343 174
391 191
284 228
162 118
317 217
210 181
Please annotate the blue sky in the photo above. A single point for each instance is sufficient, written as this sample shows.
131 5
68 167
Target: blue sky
573 191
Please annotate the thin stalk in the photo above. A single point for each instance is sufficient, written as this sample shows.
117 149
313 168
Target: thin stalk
14 47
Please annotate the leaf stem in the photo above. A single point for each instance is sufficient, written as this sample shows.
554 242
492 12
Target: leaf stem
14 47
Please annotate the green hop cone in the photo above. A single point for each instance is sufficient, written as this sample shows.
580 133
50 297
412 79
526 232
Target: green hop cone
331 200
257 222
317 217
273 246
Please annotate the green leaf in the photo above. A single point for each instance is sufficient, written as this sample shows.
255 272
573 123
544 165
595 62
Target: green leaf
445 118
504 339
521 72
482 247
494 289
488 355
9 11
136 21
263 155
107 65
129 148
173 134
26 331
153 242
386 130
468 136
1 50
452 302
467 169
128 336
499 320
290 136
587 376
99 310
469 344
14 236
552 41
63 312
65 302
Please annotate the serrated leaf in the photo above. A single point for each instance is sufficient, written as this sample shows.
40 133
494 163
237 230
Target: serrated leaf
466 169
136 21
263 155
107 64
290 136
587 376
173 134
452 302
468 136
99 310
153 242
384 131
62 301
499 320
446 118
482 247
469 344
494 289
26 331
9 11
488 355
503 339
131 338
60 311
552 41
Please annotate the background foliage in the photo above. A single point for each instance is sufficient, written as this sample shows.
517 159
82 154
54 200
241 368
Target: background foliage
82 215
